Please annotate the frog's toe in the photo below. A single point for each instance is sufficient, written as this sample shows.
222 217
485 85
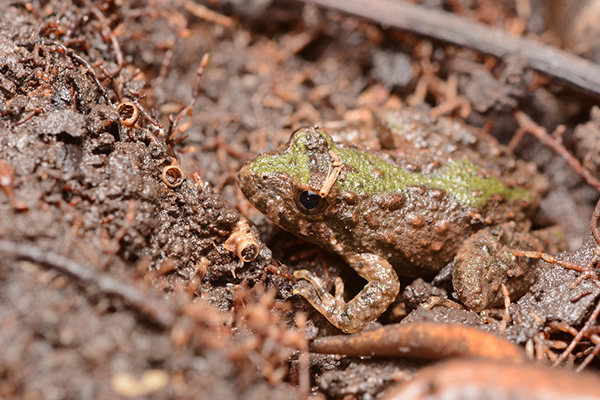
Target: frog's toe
307 291
315 295
339 289
313 290
316 282
303 274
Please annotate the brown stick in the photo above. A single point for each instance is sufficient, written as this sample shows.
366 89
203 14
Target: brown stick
573 71
427 340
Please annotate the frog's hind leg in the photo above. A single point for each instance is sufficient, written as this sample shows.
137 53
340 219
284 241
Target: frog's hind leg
485 262
380 291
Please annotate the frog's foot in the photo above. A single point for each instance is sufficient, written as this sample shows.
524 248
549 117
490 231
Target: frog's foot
316 285
370 303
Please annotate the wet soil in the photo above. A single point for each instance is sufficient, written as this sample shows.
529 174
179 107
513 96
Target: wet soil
116 282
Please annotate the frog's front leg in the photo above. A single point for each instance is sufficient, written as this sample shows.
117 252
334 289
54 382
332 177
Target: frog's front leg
381 290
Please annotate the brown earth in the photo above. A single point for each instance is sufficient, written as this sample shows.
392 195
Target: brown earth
117 283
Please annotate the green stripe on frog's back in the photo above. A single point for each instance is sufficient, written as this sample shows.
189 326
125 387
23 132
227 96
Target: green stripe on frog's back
372 175
369 174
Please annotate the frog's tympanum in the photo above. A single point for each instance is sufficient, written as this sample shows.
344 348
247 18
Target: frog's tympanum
407 213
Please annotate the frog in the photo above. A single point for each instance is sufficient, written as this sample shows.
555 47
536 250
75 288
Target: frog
410 209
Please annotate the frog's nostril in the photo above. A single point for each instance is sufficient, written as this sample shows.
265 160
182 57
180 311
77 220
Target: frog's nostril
265 177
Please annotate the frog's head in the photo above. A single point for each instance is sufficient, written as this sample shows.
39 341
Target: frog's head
284 185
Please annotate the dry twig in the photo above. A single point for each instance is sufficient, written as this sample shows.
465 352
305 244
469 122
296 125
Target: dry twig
174 124
527 125
573 71
107 32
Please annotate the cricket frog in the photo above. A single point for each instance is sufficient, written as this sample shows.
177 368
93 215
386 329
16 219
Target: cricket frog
406 212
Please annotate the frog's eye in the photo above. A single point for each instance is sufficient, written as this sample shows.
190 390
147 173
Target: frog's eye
309 199
309 202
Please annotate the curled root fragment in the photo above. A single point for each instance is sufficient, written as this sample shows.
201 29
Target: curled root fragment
129 114
172 176
242 242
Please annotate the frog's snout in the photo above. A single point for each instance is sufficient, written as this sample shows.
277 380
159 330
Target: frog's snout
244 180
250 183
241 176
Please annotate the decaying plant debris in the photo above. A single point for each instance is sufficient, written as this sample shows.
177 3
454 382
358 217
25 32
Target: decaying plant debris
129 263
